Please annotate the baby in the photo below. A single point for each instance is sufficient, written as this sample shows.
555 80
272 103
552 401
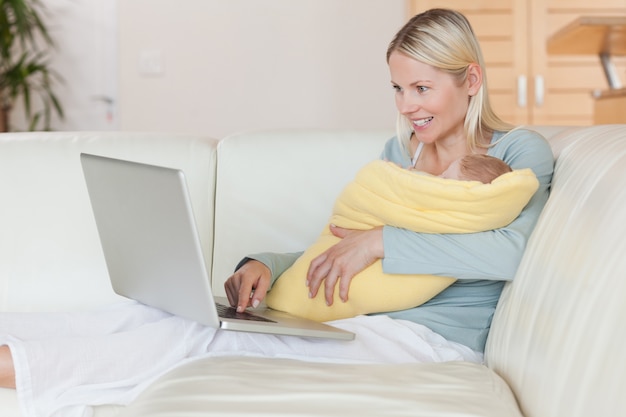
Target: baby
476 167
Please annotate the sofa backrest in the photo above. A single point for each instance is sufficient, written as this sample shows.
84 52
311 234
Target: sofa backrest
558 332
276 189
50 255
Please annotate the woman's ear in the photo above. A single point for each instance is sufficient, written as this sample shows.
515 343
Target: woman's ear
474 78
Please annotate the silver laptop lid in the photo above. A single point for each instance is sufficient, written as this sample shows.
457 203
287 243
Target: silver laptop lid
157 266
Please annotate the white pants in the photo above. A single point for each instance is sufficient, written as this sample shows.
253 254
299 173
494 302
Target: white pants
66 362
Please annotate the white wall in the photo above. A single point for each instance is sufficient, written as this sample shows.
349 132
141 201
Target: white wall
218 67
85 57
221 66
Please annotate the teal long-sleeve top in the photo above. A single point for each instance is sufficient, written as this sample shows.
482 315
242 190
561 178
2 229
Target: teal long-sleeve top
481 262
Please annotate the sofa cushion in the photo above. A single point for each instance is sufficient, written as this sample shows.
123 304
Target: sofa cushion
49 246
382 193
260 386
557 335
255 208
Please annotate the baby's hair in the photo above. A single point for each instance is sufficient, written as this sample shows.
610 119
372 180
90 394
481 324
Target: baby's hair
483 168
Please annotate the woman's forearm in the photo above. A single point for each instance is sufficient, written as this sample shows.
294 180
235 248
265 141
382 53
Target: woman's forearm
276 262
491 255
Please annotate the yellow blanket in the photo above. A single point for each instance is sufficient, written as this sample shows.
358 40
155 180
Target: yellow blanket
385 194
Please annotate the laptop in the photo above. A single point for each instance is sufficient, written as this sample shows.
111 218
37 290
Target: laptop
154 255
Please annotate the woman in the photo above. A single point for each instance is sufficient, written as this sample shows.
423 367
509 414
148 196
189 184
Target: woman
62 363
437 72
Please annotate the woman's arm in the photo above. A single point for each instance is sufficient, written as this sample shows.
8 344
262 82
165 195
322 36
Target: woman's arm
254 276
492 255
276 262
485 255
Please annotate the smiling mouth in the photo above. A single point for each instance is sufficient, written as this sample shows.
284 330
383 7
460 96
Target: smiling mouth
422 122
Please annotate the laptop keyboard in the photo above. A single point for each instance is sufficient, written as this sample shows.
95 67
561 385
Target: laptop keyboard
229 312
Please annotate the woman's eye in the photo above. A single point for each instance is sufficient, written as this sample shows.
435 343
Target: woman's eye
422 89
396 88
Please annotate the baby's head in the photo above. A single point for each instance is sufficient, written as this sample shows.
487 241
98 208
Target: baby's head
476 167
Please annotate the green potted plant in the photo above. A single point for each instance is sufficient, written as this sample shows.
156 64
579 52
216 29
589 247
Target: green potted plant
24 69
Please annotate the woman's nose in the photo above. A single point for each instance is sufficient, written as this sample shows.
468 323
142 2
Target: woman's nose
407 103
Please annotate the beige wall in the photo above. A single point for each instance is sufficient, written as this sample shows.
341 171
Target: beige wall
85 57
218 67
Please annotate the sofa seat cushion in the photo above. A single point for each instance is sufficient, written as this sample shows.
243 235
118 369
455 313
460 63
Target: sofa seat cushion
252 386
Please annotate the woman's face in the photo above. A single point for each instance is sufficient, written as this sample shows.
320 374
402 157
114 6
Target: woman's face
431 99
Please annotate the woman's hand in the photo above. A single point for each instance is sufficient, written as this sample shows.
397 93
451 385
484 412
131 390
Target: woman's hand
357 250
248 285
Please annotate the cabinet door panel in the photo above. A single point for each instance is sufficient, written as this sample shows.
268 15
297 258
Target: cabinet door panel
513 35
555 120
498 52
491 26
507 109
500 79
568 104
583 76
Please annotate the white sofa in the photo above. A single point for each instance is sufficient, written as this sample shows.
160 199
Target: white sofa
555 347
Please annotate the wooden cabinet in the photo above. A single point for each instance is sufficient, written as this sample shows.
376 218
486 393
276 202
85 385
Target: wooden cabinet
526 84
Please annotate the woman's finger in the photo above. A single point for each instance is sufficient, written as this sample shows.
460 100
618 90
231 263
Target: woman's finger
318 270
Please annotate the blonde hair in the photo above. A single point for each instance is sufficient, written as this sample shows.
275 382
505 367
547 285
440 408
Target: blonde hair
483 168
444 39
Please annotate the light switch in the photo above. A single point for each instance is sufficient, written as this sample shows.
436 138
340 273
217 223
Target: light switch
151 62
